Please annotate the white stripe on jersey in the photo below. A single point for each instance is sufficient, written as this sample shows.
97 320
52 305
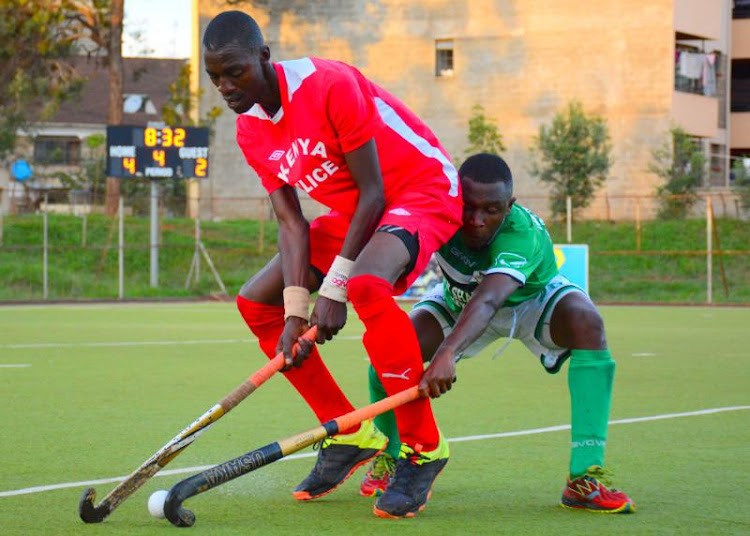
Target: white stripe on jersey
451 272
295 72
392 119
257 111
515 274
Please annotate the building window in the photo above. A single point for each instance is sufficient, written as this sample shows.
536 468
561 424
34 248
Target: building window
62 150
741 9
444 58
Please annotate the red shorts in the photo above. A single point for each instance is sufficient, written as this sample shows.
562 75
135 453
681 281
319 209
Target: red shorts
434 220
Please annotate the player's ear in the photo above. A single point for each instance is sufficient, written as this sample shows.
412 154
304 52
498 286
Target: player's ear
510 202
264 54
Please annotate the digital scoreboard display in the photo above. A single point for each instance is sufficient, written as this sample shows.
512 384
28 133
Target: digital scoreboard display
157 152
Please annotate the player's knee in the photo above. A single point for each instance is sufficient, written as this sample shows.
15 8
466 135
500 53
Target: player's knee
589 327
257 314
364 290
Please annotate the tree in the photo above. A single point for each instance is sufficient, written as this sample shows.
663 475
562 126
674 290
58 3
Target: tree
573 155
36 37
179 107
680 162
483 134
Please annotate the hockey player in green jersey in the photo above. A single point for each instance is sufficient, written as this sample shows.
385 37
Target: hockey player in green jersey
501 281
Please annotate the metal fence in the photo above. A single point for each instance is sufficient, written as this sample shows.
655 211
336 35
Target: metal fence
73 251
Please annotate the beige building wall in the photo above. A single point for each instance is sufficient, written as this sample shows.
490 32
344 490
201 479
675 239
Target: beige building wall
521 59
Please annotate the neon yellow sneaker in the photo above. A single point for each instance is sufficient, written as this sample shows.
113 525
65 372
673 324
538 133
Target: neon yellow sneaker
411 485
338 458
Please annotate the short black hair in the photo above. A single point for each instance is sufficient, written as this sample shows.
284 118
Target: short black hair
486 168
232 27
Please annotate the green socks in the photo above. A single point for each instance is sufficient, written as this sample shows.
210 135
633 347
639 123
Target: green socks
386 422
590 380
590 383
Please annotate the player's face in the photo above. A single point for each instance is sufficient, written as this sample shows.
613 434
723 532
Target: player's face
485 208
238 74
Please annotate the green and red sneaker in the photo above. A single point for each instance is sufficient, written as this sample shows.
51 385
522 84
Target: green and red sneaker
376 479
589 492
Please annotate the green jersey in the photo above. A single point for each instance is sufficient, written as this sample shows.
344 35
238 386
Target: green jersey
521 248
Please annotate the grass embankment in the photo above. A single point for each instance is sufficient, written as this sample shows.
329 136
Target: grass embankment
239 248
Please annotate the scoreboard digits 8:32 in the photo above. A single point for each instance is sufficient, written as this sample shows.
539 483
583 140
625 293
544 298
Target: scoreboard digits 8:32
157 152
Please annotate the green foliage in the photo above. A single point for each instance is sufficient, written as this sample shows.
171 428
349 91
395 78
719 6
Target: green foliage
239 248
178 110
36 37
680 163
483 134
573 156
741 184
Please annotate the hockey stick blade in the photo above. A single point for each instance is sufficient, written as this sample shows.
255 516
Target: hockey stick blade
255 459
89 513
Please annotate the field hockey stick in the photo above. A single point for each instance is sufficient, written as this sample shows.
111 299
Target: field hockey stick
250 461
96 514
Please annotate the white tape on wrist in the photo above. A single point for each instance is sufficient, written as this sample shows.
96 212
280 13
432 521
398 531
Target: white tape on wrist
334 284
296 302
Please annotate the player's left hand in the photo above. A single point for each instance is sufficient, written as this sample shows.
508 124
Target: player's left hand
440 376
329 316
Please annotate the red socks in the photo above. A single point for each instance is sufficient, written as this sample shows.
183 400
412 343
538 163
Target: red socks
312 380
394 351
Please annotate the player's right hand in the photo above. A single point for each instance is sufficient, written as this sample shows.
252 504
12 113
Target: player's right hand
294 327
440 376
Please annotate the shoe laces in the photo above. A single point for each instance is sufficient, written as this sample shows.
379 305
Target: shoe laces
601 475
413 455
382 465
323 443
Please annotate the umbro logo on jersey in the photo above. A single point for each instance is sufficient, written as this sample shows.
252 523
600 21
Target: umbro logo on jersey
400 212
276 155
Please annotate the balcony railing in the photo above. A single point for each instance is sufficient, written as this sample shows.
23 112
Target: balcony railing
695 72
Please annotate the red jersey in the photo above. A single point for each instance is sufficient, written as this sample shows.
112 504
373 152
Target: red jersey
328 108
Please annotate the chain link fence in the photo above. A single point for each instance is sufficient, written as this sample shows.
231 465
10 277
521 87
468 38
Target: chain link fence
66 248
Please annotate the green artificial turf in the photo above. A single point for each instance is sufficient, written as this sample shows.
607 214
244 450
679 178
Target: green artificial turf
108 385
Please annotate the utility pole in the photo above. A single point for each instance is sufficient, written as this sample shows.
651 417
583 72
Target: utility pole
114 115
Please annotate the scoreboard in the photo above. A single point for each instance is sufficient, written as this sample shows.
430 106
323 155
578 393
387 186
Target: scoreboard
157 152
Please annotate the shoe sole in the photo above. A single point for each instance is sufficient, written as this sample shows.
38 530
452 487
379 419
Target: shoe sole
385 515
627 508
305 495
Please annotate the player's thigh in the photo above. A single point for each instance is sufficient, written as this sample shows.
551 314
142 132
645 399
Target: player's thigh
384 256
429 332
576 323
267 285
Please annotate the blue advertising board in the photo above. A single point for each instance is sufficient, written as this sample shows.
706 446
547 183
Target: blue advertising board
573 263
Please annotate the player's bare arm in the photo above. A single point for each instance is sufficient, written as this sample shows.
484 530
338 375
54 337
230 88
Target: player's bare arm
329 314
486 300
294 249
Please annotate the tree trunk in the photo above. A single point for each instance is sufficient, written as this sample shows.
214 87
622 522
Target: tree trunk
114 116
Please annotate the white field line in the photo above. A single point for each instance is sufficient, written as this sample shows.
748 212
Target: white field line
141 343
558 428
15 365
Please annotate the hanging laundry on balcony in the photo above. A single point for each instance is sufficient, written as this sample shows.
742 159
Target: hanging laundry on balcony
691 65
709 75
